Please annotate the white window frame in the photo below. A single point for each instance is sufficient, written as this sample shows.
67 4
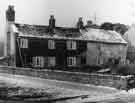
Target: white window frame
38 61
51 44
23 43
51 61
71 45
71 61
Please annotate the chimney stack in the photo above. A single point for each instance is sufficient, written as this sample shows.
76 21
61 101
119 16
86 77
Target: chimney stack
80 24
10 19
51 24
10 13
89 23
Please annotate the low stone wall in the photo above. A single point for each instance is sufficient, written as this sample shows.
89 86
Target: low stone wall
94 79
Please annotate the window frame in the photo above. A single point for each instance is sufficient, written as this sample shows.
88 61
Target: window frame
23 43
51 44
38 61
52 61
71 45
71 61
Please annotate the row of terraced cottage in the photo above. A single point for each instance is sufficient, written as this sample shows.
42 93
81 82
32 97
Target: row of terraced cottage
40 46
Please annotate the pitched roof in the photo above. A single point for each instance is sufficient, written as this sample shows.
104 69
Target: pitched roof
103 36
39 30
89 34
36 30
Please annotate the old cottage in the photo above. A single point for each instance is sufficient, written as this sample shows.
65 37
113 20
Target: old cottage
40 46
104 44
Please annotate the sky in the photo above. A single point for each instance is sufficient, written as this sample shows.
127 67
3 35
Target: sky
67 11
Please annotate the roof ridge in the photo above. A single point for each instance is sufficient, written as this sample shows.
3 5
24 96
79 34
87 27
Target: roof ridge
67 32
64 27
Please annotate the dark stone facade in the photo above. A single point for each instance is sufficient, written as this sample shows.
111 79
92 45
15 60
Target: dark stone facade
39 47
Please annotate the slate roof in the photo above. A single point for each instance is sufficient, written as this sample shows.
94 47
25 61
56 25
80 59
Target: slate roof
38 30
104 36
89 34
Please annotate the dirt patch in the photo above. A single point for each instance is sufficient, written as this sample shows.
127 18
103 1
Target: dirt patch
13 94
19 93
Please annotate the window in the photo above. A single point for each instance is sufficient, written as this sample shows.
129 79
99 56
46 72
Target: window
71 61
71 45
23 43
51 44
38 61
51 61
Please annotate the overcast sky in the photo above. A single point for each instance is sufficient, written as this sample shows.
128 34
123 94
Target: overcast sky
67 11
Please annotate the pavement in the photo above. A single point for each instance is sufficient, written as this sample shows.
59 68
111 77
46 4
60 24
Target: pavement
72 92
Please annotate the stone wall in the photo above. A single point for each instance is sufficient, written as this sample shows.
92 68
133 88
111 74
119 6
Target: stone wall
99 53
94 79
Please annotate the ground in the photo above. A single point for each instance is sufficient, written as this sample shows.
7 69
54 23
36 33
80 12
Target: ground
67 92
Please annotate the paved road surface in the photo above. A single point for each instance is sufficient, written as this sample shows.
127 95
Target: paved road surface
68 89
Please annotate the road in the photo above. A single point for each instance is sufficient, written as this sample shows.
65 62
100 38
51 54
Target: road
68 89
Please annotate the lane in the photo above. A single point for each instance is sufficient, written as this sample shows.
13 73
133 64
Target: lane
62 88
41 83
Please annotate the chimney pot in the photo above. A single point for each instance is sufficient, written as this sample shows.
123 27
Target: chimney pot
10 13
80 24
51 24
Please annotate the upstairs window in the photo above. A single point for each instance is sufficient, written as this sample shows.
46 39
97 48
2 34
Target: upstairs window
71 45
71 61
38 61
23 43
51 44
51 61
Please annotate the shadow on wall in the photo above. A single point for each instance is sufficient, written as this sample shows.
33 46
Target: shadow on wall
1 48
